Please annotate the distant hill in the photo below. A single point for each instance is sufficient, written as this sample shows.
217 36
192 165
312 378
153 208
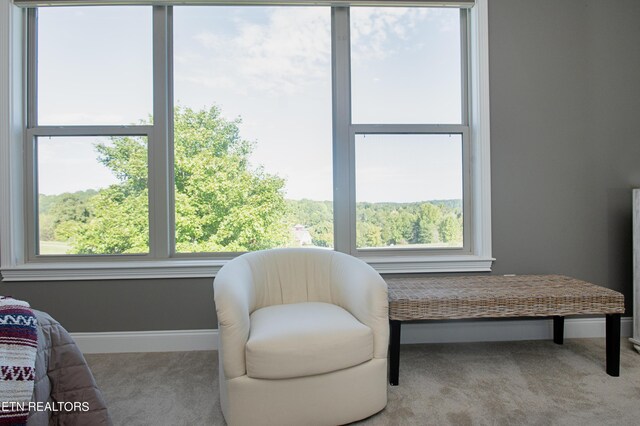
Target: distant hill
45 202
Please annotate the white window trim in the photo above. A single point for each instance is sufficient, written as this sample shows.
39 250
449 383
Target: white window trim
15 267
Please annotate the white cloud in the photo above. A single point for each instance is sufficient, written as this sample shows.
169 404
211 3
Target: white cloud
375 31
291 50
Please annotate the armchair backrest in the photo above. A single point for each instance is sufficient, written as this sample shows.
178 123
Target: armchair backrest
290 275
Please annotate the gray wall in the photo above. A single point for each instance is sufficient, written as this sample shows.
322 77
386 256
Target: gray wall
565 100
565 148
114 305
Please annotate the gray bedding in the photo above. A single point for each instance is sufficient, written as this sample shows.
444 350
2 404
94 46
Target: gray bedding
63 376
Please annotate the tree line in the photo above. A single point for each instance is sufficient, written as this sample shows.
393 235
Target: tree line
436 222
67 218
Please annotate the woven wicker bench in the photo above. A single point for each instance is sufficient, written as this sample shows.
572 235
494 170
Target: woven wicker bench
492 296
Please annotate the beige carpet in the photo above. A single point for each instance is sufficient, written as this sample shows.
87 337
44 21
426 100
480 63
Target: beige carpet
507 383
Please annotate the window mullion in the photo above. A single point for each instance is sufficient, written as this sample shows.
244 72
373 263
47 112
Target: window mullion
343 161
30 168
159 177
99 130
32 68
464 65
442 129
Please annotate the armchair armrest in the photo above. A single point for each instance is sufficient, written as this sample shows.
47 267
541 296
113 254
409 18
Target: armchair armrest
235 300
358 288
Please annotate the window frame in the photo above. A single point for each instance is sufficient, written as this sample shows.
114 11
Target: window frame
31 179
18 198
461 129
422 129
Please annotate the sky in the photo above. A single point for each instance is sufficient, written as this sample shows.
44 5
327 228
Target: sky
270 66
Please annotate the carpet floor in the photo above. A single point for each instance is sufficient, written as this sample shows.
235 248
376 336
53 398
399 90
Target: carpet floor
504 383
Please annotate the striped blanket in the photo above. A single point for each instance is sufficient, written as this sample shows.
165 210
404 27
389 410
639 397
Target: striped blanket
18 347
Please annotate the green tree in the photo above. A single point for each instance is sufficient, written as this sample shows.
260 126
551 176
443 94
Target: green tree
59 214
120 223
406 219
222 203
427 223
322 234
450 229
47 227
397 226
368 235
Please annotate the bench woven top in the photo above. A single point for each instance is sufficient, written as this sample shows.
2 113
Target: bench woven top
496 296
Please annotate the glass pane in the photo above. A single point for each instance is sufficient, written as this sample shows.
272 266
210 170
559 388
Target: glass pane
94 65
253 162
409 191
405 65
92 195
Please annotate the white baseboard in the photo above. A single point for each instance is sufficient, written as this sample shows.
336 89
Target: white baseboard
435 332
497 331
147 341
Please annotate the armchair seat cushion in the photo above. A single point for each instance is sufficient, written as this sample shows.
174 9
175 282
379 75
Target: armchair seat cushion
304 339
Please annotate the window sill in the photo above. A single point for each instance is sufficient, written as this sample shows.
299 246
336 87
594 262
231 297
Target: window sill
422 264
207 268
147 269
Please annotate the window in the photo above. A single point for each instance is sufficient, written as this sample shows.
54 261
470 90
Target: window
406 65
263 74
406 83
168 143
93 65
409 191
107 217
88 131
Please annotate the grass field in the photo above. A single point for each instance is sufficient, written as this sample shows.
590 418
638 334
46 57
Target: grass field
54 247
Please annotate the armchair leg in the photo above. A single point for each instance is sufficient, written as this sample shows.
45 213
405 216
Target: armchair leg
558 330
394 352
613 344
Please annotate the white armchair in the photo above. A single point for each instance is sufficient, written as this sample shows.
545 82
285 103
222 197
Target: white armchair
303 337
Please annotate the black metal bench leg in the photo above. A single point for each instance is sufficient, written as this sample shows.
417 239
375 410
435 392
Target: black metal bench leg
558 330
394 352
613 344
